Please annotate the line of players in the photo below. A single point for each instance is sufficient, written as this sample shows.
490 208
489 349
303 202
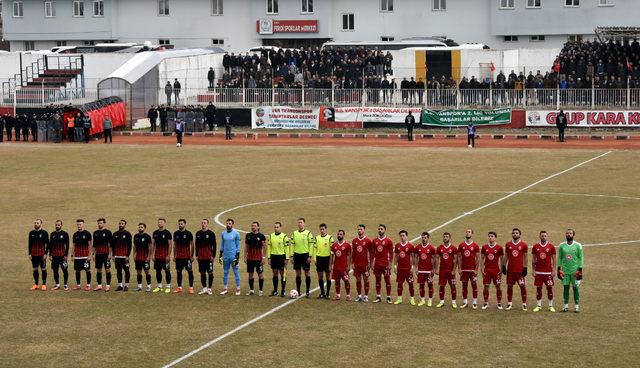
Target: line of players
335 260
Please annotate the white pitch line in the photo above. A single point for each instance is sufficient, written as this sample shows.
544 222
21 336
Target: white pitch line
287 303
612 243
471 212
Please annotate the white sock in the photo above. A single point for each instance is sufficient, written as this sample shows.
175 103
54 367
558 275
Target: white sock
465 301
453 302
475 300
430 299
120 284
160 286
551 303
539 303
140 286
566 306
168 286
577 307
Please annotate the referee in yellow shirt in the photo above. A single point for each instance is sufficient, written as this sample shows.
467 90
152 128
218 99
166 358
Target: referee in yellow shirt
321 254
301 244
278 254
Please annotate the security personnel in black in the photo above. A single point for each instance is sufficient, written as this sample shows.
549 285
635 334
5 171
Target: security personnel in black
409 122
17 126
210 115
152 115
33 126
228 123
163 118
8 125
1 128
26 124
561 123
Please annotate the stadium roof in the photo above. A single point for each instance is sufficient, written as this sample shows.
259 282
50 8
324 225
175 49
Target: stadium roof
606 34
141 63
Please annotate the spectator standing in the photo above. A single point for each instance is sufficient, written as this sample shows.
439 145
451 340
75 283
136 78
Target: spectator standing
152 115
410 122
78 127
561 123
163 118
211 76
471 134
86 126
176 91
168 90
108 125
57 127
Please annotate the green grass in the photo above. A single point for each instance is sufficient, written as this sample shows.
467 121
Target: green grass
141 183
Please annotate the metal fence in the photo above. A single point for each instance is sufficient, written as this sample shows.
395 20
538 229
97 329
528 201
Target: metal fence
624 98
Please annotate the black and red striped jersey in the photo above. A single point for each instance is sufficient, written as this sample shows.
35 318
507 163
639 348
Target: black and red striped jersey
161 239
142 242
38 242
59 243
102 241
121 244
254 244
182 241
205 244
81 241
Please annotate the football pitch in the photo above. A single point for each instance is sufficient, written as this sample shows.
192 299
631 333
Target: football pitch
596 192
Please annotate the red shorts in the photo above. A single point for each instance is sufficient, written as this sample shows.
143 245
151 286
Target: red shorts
492 277
404 275
360 271
338 275
543 280
425 277
381 270
515 278
448 277
468 275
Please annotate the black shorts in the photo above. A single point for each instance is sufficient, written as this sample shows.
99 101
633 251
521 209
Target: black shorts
81 264
103 261
300 261
183 264
322 264
254 265
58 261
122 262
160 264
38 262
277 261
205 266
142 265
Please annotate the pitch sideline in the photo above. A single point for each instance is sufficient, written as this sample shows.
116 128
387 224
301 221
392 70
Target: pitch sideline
289 302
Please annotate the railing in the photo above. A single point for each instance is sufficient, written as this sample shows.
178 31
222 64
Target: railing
436 99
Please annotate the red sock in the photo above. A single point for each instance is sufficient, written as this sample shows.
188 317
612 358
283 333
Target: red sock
400 289
411 289
499 293
464 289
509 293
453 292
430 290
441 292
387 284
474 289
550 292
538 292
347 287
358 285
421 286
523 293
366 286
485 294
378 283
338 287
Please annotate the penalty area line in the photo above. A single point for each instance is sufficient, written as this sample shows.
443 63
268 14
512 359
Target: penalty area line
289 302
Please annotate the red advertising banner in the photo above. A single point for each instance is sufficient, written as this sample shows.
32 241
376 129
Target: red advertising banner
270 26
586 118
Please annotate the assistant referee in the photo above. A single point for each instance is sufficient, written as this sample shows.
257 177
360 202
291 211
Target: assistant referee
321 254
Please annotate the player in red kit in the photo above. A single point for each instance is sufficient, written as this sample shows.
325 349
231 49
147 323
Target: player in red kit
514 265
183 251
491 259
403 265
38 247
340 264
362 256
446 268
81 254
543 263
426 255
468 260
382 257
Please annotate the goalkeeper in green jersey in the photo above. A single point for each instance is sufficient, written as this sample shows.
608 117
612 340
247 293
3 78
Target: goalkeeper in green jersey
570 263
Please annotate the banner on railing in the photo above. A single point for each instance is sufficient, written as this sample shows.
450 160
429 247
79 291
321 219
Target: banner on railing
585 119
274 117
456 118
374 114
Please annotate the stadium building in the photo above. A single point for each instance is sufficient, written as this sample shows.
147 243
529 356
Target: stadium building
241 24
